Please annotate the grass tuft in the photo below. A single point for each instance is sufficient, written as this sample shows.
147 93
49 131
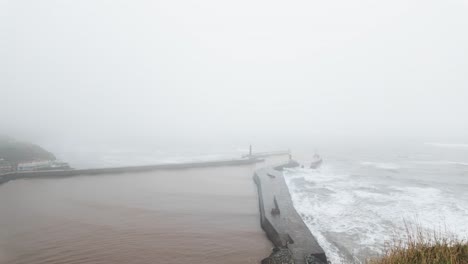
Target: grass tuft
423 247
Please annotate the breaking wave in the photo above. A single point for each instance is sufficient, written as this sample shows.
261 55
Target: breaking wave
441 162
381 165
353 216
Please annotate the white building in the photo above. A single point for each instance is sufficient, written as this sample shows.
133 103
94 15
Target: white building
42 165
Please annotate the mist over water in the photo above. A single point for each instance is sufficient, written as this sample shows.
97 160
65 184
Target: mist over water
379 89
188 72
357 200
355 204
206 215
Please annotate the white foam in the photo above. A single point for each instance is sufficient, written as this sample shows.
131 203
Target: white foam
362 215
440 162
381 165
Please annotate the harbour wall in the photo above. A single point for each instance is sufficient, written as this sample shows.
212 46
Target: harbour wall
267 154
116 170
280 220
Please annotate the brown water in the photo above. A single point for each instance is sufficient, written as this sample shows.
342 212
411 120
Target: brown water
207 215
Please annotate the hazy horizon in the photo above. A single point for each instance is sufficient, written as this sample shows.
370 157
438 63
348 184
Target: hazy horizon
371 97
208 72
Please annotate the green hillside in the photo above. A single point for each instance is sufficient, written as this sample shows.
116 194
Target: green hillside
16 151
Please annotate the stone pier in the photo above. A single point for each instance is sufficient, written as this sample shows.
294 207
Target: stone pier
293 241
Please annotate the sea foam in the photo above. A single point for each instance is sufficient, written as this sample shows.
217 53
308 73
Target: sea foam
352 219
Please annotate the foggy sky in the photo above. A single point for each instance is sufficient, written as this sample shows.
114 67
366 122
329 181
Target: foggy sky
243 71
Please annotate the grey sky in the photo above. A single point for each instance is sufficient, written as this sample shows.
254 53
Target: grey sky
202 70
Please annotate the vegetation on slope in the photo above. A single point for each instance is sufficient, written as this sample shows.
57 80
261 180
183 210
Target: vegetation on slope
16 152
419 247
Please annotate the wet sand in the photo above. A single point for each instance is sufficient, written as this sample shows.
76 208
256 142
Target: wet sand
205 215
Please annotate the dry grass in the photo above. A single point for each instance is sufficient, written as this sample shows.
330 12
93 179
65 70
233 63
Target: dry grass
421 247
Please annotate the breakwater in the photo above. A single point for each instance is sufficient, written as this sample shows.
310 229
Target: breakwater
116 170
267 154
293 241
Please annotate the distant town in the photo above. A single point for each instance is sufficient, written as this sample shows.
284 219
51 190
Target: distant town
6 166
23 156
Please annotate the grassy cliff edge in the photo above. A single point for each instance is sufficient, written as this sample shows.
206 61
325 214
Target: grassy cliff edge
419 246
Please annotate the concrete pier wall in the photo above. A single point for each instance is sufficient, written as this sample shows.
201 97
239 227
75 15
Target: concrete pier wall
282 224
69 173
267 154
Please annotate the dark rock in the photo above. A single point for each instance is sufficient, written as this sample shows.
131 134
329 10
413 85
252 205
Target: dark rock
279 256
313 260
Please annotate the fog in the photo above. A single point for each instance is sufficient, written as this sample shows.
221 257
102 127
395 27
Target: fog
185 72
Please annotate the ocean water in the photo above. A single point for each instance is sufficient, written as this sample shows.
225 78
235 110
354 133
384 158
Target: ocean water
355 204
357 201
199 215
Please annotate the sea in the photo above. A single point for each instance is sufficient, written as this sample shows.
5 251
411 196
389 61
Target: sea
362 198
358 202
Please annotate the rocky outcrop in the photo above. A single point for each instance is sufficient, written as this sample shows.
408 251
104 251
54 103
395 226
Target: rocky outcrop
279 256
284 256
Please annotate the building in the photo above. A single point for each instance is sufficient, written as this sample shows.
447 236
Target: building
5 166
42 165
